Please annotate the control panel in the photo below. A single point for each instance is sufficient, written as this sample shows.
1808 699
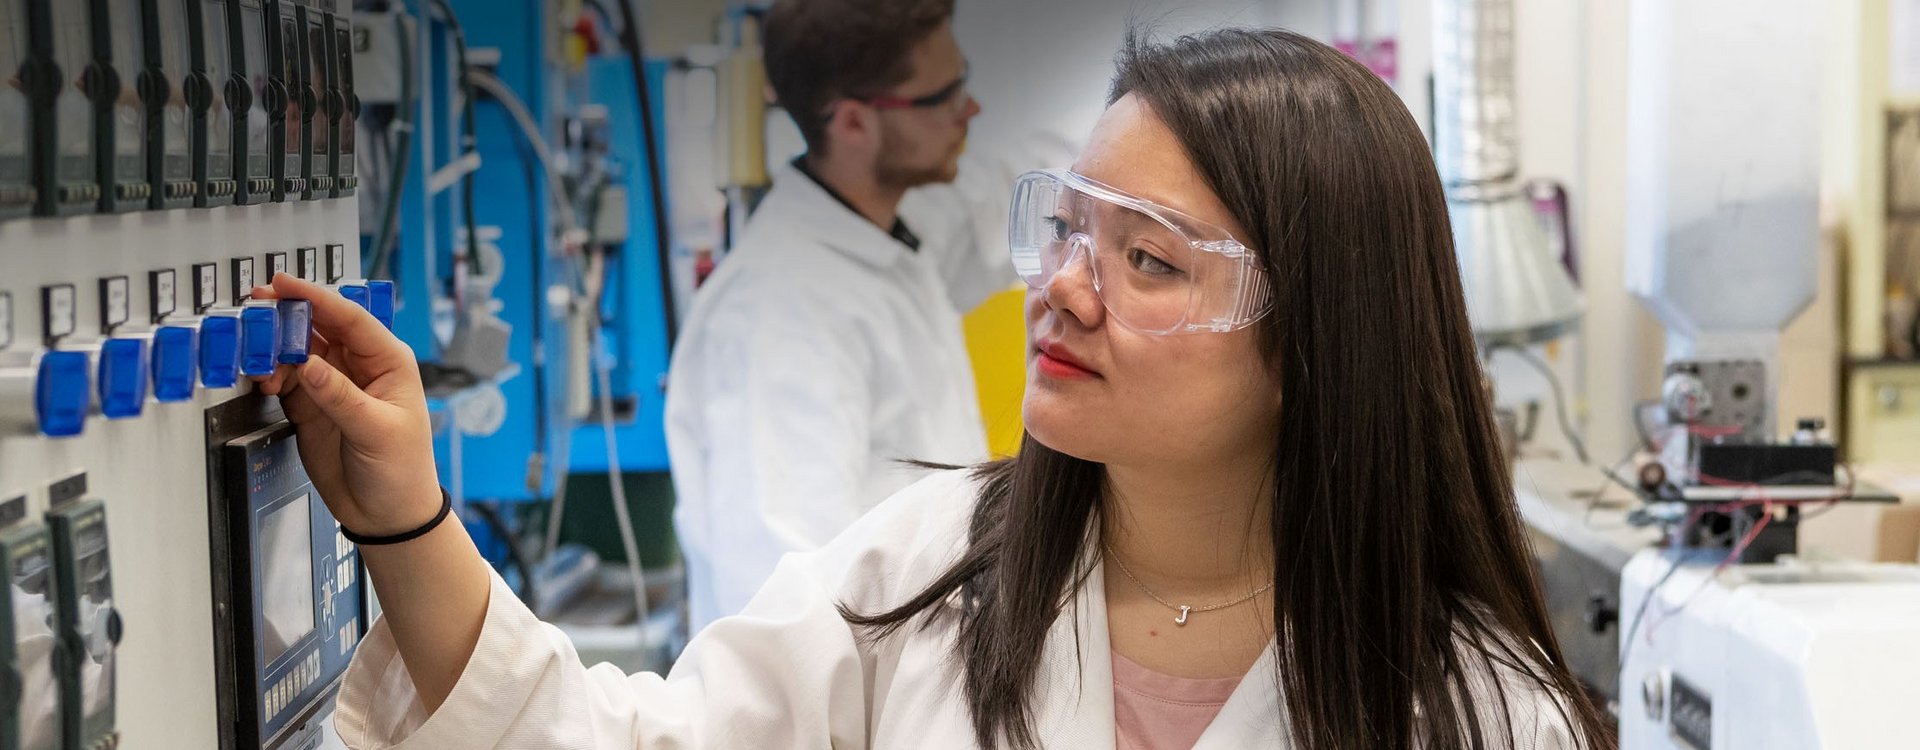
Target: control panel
289 605
137 213
1690 718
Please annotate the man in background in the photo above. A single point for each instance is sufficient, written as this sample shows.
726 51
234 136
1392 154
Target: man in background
828 348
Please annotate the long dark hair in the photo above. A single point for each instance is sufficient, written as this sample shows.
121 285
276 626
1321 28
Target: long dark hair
1402 579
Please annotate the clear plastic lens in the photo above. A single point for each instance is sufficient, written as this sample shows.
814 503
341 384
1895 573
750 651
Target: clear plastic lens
1156 270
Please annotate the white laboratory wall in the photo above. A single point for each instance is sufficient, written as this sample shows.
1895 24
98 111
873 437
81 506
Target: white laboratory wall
1046 66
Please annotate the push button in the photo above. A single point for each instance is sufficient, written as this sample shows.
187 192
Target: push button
123 377
172 363
219 350
259 338
296 330
60 395
358 294
380 302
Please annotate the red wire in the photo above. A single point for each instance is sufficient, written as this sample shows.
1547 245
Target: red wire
1766 517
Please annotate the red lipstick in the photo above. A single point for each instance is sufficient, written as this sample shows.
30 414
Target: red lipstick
1057 362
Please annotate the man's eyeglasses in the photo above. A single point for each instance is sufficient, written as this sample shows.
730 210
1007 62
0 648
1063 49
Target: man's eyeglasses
952 97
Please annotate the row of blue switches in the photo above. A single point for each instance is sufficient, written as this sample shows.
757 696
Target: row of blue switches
181 355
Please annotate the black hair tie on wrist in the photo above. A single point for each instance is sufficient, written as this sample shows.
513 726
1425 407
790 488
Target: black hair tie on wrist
446 508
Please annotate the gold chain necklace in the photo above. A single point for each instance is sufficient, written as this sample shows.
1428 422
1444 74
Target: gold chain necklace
1183 609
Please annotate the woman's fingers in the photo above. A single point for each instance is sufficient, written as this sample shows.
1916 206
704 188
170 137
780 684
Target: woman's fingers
347 325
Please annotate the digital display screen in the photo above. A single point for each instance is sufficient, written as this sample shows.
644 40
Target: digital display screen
15 109
317 79
174 65
350 116
290 77
95 581
129 57
286 578
34 623
253 40
73 52
219 70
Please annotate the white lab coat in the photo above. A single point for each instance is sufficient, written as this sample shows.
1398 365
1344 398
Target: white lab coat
820 355
789 672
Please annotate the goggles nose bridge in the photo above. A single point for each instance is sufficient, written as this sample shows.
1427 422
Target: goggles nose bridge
1078 246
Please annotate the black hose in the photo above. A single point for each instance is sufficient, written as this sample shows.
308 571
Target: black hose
516 551
630 39
467 128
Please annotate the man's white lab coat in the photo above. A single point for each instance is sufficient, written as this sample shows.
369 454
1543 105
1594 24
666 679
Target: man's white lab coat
789 672
822 354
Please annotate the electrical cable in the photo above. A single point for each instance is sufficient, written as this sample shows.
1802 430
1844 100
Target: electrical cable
656 184
468 127
602 372
1559 399
536 295
604 378
399 156
517 109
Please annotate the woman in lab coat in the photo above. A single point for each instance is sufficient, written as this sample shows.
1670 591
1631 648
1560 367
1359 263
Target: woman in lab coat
1260 503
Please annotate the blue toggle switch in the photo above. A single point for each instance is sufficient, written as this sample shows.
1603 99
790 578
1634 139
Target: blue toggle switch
381 293
173 364
60 395
359 295
296 330
259 339
219 351
123 377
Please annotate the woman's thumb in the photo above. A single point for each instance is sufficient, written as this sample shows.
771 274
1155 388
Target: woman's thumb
335 395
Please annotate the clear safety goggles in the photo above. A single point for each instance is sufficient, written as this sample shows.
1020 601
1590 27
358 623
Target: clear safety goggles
1157 270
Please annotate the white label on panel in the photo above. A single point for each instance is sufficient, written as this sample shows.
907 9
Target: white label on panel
336 262
59 310
165 300
242 279
310 263
115 309
276 264
206 285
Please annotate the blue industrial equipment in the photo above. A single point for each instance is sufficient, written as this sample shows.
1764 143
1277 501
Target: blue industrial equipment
525 275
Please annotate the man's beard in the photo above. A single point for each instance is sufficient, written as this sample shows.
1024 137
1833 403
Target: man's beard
897 172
